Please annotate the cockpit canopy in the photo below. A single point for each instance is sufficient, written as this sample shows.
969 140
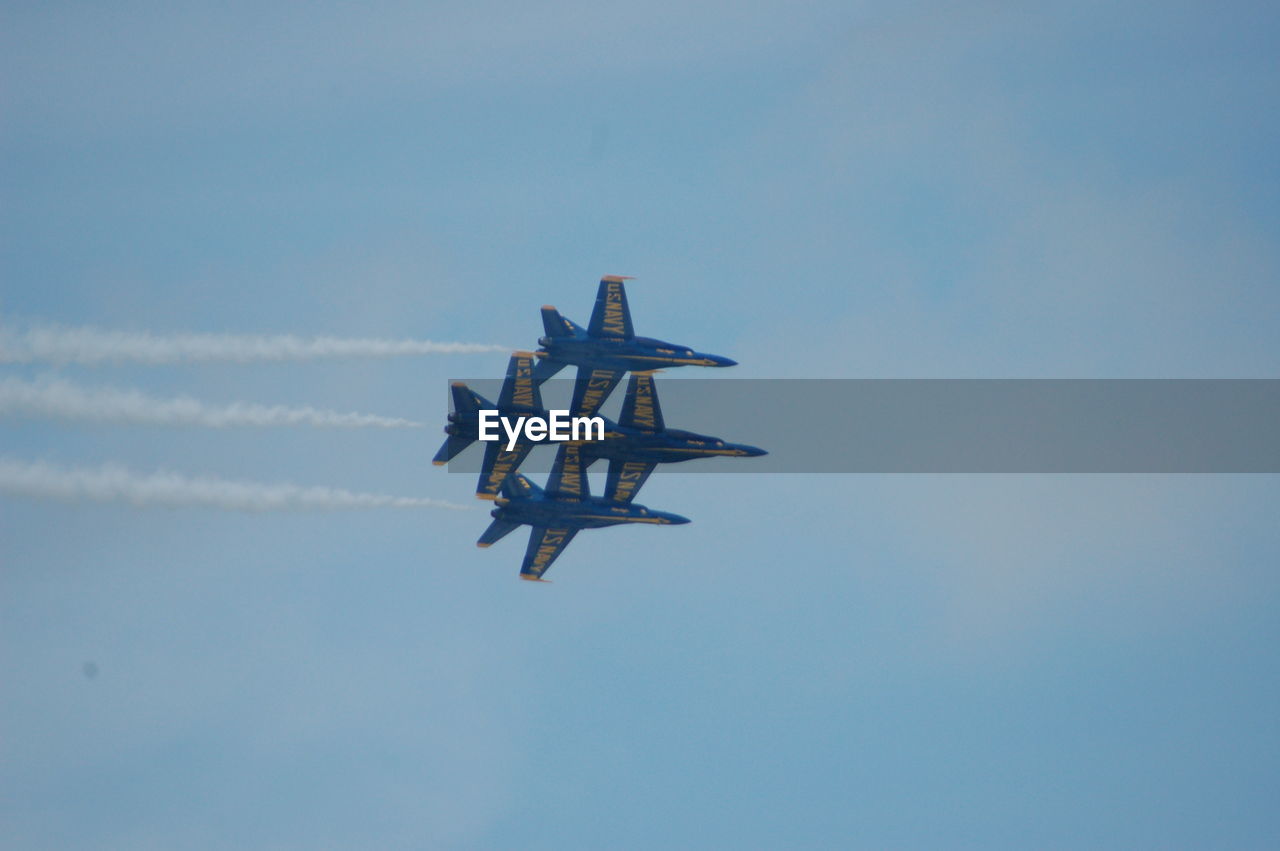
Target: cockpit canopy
693 438
665 348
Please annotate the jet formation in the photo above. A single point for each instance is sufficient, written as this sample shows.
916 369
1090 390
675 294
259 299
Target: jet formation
603 352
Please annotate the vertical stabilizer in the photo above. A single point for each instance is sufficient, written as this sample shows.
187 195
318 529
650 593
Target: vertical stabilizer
517 486
466 400
557 326
519 390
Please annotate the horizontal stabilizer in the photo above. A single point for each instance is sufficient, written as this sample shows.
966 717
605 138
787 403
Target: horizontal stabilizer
497 530
450 448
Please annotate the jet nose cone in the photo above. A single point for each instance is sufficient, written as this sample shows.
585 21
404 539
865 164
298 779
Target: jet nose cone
751 451
675 519
704 359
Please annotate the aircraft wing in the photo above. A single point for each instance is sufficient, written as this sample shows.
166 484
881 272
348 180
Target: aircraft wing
499 462
640 408
545 546
568 480
625 479
519 389
611 317
591 388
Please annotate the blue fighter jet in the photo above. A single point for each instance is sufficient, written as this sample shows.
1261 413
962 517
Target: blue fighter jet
640 441
606 349
520 397
557 513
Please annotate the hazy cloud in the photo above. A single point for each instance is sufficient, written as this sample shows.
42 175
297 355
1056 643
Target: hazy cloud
94 345
62 399
114 483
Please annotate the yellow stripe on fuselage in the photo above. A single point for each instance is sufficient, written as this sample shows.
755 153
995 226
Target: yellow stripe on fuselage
662 359
613 517
698 451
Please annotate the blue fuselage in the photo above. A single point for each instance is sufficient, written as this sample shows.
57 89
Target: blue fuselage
636 354
661 447
591 513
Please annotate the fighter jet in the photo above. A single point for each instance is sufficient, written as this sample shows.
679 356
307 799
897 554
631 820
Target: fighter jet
557 513
520 397
606 349
640 441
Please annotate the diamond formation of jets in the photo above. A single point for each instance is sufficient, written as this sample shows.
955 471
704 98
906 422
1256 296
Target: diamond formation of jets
603 352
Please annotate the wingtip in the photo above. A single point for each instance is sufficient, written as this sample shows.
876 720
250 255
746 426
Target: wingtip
437 463
617 279
527 578
548 307
457 384
483 545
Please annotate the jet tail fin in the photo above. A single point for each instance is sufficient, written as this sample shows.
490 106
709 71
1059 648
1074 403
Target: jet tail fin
466 400
640 408
519 388
517 486
558 326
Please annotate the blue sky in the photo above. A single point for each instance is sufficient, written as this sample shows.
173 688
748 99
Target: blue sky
838 190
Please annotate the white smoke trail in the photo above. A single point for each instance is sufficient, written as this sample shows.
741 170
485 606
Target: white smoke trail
65 400
113 483
93 345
